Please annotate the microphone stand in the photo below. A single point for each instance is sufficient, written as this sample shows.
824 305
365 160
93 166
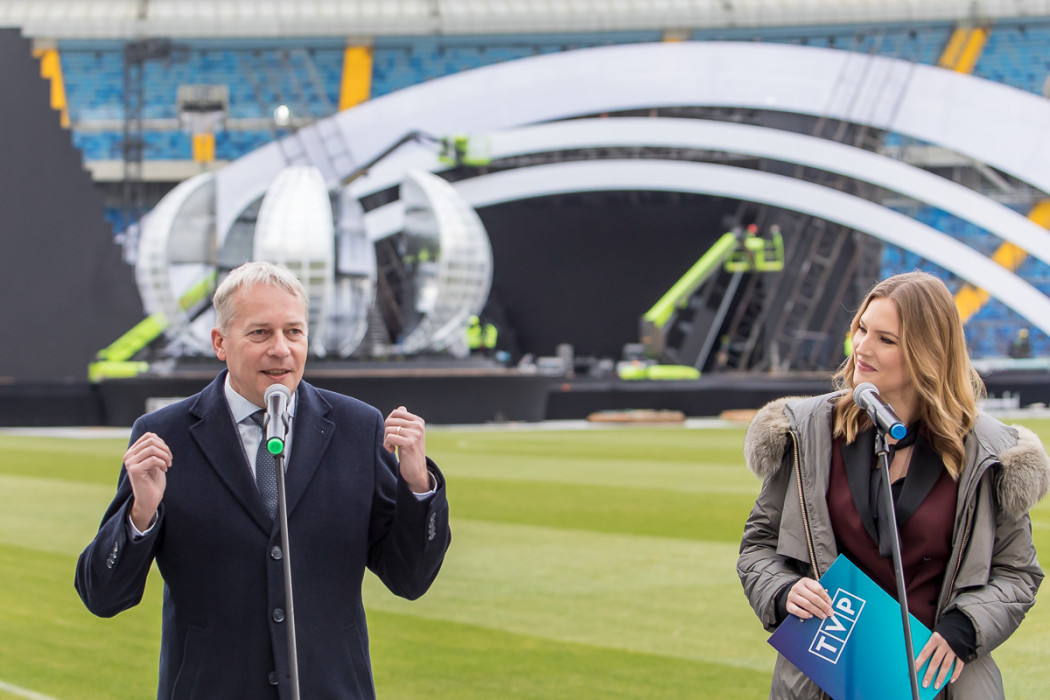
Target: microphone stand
282 513
882 450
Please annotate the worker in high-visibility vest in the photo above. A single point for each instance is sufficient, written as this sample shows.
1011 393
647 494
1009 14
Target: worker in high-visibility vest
481 337
1021 346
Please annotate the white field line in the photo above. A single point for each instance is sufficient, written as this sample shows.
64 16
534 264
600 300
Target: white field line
22 692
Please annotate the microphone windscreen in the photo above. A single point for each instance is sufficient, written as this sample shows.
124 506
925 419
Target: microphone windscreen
863 389
276 389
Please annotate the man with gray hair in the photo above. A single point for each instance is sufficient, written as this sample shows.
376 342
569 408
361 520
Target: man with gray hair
191 496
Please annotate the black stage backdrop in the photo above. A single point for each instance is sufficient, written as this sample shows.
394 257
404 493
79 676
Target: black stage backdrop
64 290
583 268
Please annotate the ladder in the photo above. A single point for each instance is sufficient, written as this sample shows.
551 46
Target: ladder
790 320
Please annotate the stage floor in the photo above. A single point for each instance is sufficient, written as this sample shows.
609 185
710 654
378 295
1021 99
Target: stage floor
449 394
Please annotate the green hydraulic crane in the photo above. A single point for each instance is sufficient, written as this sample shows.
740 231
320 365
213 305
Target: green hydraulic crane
115 360
736 251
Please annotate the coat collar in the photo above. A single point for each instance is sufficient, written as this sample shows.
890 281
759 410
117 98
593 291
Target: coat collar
216 435
1024 466
312 433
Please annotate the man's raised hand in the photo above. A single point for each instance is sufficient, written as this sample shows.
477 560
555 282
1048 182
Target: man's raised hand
147 462
406 432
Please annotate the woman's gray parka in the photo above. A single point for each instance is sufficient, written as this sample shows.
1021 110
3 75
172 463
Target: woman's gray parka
993 574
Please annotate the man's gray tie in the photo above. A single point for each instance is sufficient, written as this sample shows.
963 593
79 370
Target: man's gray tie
265 468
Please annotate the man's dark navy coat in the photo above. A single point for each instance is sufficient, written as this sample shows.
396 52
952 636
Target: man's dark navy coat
219 552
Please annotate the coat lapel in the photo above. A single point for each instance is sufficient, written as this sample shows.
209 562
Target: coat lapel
311 432
857 457
216 435
924 469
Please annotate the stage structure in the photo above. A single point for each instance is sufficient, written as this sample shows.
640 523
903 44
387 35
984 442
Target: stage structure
806 154
418 301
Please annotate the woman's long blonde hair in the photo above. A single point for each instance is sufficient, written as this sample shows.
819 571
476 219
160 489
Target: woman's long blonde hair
935 361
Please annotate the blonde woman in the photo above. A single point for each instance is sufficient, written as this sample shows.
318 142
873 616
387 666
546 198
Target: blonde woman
962 482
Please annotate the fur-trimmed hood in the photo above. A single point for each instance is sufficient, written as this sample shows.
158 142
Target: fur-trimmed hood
1022 479
767 437
1025 475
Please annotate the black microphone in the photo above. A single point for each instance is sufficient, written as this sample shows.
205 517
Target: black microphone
276 398
866 396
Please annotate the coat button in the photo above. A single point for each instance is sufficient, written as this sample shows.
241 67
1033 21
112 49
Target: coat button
273 678
278 615
276 552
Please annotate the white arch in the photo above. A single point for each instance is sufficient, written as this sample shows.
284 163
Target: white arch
185 215
787 146
989 122
740 183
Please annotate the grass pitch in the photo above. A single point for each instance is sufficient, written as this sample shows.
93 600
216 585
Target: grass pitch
584 564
